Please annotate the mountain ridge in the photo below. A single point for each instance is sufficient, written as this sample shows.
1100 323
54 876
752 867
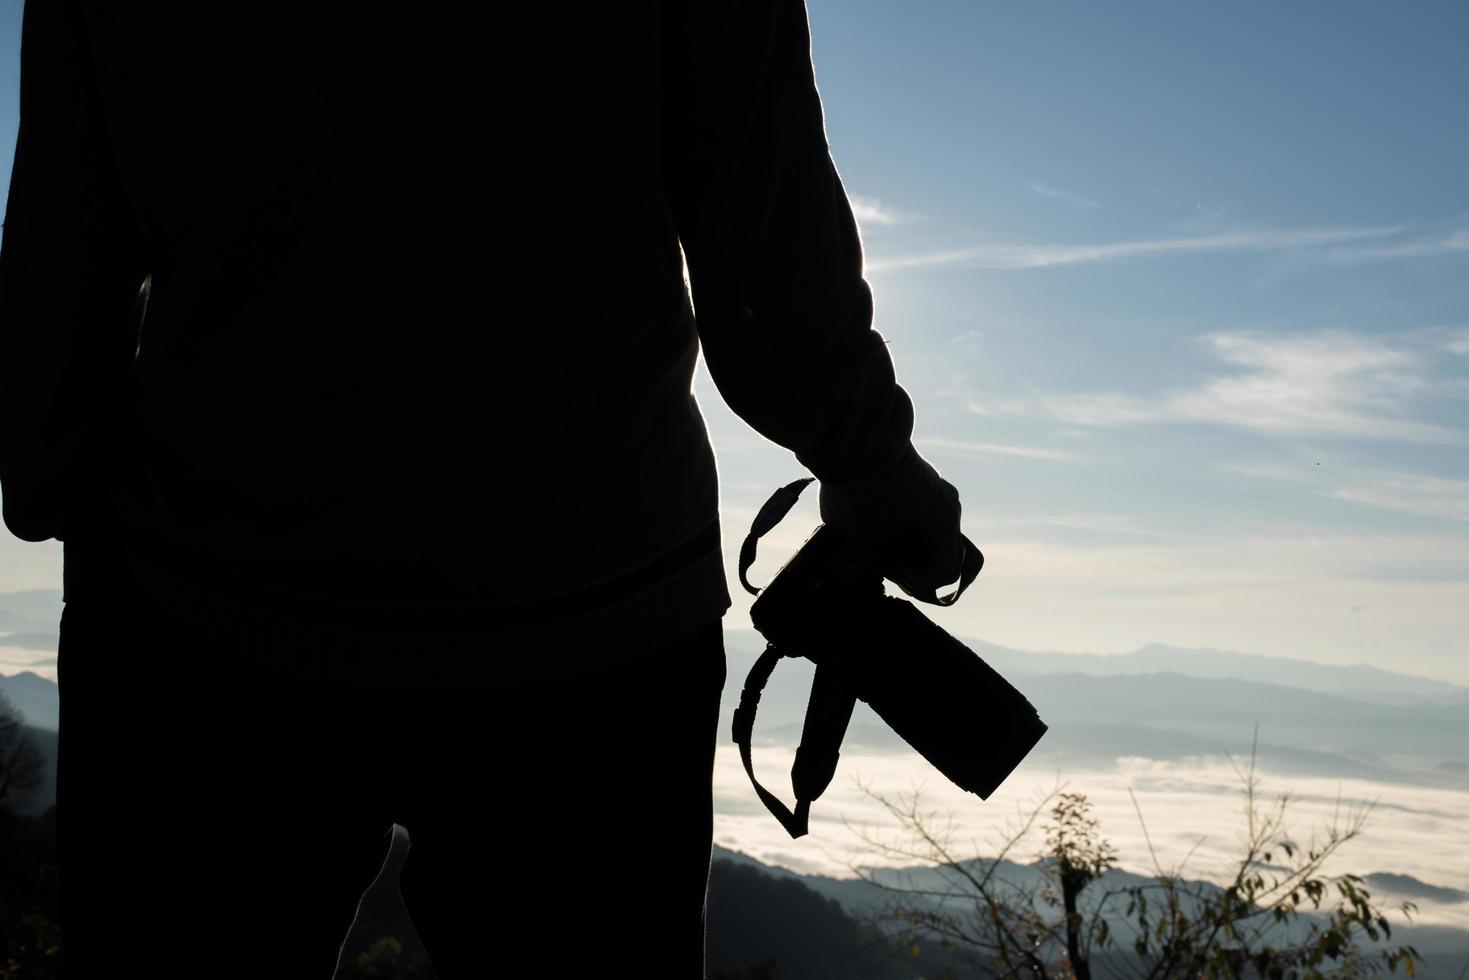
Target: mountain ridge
1368 683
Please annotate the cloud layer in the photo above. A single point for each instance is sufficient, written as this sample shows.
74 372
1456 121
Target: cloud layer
1013 256
1065 197
871 211
1192 808
1327 383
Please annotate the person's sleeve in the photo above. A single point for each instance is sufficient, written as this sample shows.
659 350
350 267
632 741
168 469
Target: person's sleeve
774 259
71 268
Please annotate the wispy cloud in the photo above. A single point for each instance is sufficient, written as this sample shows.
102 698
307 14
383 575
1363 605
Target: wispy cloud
1458 344
1413 493
871 211
1065 197
1401 491
1088 408
1045 256
1334 383
966 448
1128 527
1099 408
1453 244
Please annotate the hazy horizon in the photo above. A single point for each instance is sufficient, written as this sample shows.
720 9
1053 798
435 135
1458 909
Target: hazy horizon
40 659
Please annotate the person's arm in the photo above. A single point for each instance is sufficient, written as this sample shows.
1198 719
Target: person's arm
775 263
71 265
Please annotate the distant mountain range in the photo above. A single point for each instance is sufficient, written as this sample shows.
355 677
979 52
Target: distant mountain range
1158 703
35 697
34 609
1357 681
29 620
1096 717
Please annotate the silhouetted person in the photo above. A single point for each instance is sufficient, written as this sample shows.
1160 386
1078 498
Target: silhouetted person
388 498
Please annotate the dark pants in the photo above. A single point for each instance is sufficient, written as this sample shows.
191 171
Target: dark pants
215 821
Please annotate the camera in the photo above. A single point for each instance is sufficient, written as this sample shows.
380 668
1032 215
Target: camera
828 604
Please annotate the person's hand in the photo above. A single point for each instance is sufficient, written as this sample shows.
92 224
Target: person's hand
921 555
926 555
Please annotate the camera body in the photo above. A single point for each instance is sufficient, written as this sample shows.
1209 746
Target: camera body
828 604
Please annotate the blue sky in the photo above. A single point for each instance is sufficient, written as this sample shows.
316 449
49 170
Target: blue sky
1180 294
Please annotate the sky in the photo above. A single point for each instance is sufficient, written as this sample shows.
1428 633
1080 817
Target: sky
1179 292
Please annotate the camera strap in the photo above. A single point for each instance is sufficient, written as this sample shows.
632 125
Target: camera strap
771 514
832 697
744 727
780 504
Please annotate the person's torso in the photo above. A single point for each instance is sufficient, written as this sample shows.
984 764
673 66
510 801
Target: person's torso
416 311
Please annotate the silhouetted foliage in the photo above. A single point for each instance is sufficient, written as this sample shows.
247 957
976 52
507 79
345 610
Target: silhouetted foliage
30 934
1078 857
22 764
30 937
759 971
1169 927
386 959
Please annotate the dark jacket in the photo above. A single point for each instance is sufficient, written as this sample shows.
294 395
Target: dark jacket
417 347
